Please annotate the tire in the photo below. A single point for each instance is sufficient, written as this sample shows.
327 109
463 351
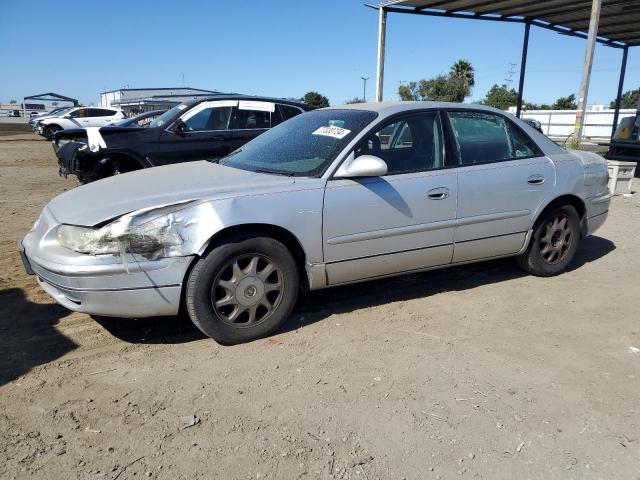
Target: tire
554 243
228 291
50 132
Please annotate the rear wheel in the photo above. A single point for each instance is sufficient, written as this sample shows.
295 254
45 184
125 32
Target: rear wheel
242 290
554 243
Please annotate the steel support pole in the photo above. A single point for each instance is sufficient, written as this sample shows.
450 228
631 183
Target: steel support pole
623 69
523 66
586 69
382 34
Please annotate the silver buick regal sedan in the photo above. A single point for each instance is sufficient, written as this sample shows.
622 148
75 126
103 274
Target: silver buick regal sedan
330 197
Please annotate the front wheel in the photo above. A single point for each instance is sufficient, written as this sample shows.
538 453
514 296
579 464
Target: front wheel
50 132
242 290
554 243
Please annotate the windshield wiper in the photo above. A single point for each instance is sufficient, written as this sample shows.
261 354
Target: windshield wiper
275 172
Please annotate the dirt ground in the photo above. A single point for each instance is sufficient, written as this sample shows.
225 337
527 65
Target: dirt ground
473 372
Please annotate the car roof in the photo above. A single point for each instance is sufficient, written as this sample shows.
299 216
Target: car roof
390 108
387 109
233 96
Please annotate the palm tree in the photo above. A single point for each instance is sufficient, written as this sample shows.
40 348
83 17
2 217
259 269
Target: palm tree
462 69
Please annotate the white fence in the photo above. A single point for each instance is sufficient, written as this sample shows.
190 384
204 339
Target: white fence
561 123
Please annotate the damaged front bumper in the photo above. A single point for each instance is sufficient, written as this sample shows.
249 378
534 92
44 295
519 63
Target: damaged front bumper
108 285
68 158
139 289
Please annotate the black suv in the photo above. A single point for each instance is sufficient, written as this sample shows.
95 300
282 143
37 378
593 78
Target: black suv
202 129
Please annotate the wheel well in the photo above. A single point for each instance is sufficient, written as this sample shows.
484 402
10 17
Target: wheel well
52 125
130 162
575 202
283 235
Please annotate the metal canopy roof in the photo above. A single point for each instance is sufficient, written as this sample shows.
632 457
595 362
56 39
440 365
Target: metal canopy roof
52 97
619 19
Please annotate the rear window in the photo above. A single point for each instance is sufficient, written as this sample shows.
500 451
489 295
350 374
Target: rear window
484 138
289 112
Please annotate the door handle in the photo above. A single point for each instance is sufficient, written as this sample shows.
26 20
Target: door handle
439 193
535 180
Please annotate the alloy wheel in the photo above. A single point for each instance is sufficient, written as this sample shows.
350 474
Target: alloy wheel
556 240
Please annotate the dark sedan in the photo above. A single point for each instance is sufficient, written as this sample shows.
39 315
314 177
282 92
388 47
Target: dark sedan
203 129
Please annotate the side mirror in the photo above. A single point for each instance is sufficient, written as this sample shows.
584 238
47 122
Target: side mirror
362 166
180 127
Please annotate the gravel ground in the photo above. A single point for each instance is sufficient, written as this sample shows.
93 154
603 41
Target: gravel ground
473 372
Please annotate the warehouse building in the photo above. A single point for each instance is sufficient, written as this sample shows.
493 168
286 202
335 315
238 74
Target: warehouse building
137 100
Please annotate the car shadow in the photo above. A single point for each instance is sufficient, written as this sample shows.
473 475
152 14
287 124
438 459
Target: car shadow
27 334
152 330
315 306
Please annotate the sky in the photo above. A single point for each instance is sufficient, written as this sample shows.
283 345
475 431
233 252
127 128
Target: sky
280 48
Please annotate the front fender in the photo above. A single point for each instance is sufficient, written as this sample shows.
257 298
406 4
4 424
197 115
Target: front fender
297 210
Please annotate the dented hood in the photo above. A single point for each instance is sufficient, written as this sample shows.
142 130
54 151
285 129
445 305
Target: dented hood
109 198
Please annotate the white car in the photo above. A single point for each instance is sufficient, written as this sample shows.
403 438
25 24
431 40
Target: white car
79 117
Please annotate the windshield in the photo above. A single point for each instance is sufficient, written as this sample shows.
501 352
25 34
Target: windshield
142 120
302 146
56 110
167 116
59 111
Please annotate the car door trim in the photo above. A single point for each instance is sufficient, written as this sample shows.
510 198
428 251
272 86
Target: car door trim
391 232
489 217
424 227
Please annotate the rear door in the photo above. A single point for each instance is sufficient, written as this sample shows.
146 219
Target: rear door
251 118
402 221
100 117
503 179
201 133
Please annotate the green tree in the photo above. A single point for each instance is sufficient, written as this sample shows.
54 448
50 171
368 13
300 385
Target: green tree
354 100
629 99
501 96
463 70
453 87
565 103
409 92
315 100
13 102
536 106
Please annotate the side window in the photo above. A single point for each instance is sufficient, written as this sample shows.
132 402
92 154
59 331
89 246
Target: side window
289 112
252 119
216 118
480 137
276 116
523 146
410 144
80 113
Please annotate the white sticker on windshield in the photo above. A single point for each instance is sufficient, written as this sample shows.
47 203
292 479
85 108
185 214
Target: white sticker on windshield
335 132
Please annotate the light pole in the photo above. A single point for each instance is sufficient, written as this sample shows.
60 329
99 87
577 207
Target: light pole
364 90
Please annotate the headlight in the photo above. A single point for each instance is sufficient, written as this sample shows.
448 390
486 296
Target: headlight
159 237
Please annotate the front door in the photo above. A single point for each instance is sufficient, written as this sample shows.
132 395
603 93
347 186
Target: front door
503 181
80 118
202 133
402 221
